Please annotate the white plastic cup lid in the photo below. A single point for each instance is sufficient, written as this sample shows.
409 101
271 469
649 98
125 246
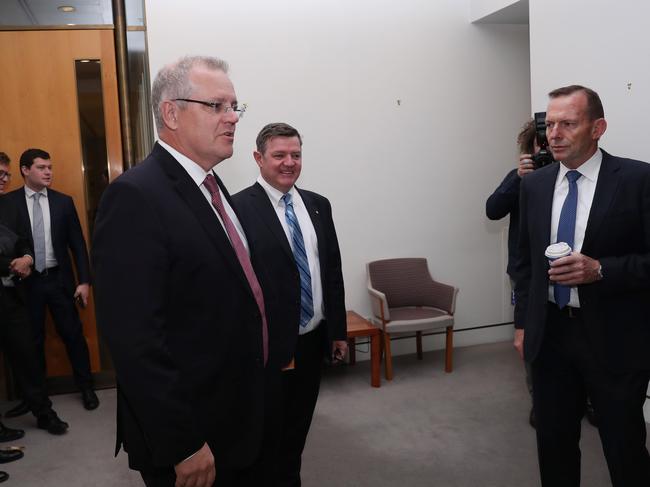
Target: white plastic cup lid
557 250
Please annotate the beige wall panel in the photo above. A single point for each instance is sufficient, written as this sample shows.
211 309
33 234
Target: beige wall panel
39 109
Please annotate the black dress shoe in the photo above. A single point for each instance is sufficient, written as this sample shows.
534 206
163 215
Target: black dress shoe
531 418
7 456
90 399
3 476
52 423
9 434
19 410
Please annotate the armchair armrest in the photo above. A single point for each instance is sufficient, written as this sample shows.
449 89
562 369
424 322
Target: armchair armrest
444 296
379 303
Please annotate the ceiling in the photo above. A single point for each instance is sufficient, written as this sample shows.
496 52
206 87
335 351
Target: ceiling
46 12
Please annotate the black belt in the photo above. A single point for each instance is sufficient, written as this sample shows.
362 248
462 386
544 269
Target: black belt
45 272
567 311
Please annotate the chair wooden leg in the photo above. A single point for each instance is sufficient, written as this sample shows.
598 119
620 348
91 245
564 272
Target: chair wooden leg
449 349
418 341
388 363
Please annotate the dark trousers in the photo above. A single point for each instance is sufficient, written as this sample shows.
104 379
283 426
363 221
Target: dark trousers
17 342
565 372
527 367
260 474
300 392
48 291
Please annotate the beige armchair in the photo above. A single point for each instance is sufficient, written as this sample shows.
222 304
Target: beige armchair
405 299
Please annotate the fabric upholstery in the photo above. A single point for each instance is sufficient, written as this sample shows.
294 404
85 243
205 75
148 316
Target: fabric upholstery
407 282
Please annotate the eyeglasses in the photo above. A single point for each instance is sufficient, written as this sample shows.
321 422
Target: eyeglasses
5 174
218 107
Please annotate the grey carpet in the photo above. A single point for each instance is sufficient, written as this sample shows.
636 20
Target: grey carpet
425 428
83 457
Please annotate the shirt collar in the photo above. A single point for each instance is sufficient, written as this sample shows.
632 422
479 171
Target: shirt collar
196 172
589 169
29 192
274 194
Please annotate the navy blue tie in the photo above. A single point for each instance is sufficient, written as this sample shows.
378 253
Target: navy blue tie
566 230
300 256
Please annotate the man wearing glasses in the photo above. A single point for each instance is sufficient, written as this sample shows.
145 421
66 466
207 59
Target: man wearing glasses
178 301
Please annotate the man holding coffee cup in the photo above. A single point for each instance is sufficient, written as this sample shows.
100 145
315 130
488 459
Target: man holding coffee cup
586 316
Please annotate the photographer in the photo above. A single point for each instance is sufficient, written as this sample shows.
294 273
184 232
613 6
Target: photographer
505 201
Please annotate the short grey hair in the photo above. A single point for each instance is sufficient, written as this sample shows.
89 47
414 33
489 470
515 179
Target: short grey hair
172 81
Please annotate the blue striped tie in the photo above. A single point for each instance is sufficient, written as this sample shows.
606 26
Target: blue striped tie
566 230
300 255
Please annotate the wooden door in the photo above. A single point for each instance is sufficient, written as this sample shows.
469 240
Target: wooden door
40 108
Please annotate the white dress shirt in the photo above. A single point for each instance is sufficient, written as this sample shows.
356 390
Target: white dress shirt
198 175
50 259
586 189
311 245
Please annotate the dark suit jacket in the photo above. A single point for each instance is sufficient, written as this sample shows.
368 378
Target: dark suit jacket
616 308
271 249
180 320
66 235
503 202
13 233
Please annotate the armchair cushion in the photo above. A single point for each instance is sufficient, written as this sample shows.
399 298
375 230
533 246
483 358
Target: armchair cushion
410 319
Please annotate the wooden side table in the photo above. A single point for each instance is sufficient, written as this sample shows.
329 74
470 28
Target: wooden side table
360 327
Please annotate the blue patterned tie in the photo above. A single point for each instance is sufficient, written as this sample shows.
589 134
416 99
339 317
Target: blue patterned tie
300 255
566 230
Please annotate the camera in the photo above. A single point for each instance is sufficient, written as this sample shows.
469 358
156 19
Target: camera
544 156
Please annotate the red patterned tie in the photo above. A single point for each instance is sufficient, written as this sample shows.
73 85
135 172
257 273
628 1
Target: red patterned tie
211 185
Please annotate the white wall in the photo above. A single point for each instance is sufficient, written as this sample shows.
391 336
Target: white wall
499 11
603 45
405 178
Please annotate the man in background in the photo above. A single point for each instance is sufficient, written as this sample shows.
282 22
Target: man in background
584 319
16 259
178 301
292 234
55 233
505 201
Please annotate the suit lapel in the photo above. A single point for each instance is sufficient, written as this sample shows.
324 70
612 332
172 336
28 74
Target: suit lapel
267 213
52 202
608 179
316 219
190 193
545 191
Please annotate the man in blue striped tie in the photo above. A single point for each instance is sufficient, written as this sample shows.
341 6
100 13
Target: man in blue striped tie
294 243
584 316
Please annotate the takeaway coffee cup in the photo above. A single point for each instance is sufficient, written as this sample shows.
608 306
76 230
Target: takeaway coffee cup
557 250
